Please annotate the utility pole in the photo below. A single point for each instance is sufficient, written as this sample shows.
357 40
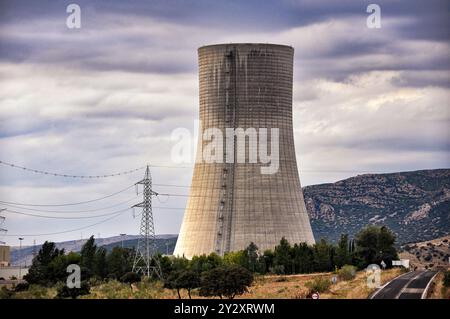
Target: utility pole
20 257
146 247
122 236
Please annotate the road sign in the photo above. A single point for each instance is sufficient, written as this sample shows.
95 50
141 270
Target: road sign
401 262
315 295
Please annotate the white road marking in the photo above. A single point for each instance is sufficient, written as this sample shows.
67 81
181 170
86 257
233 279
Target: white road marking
407 284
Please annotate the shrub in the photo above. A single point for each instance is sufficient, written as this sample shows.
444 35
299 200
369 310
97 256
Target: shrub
347 272
183 279
227 281
5 293
22 286
35 292
66 292
319 284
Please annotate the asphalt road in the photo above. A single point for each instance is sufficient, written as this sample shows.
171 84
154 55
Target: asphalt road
408 286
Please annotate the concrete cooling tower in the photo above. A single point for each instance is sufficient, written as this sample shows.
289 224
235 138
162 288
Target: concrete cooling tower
232 204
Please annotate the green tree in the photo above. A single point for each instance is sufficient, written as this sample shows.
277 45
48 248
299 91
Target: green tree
323 256
170 282
268 259
58 266
188 279
182 279
386 246
237 280
119 262
225 281
235 258
100 263
303 258
205 262
180 263
212 282
88 253
374 244
251 257
41 270
343 255
282 257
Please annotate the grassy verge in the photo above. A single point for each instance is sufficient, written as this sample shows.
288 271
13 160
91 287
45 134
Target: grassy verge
437 289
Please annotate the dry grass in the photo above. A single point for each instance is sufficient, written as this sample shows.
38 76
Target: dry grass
437 289
289 287
357 288
294 286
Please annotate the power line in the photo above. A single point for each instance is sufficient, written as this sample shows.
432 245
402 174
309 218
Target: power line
70 211
69 204
67 231
37 171
63 217
172 166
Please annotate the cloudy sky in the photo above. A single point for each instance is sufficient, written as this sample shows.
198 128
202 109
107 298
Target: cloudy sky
106 97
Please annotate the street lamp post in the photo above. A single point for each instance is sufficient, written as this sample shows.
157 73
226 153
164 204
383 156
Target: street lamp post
20 257
122 235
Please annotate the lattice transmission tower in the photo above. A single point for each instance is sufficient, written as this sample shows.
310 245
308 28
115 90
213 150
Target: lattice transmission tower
146 251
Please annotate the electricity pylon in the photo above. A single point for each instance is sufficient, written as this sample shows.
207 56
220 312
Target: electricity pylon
146 247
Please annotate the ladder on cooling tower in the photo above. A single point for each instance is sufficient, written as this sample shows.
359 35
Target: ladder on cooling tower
225 211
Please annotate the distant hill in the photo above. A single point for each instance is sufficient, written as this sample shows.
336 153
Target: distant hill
432 254
25 255
415 205
163 245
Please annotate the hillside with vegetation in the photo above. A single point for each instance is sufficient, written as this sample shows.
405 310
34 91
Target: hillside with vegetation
414 205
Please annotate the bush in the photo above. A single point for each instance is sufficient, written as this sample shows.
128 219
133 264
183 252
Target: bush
130 277
319 284
347 272
183 279
227 281
22 286
66 292
5 293
36 292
